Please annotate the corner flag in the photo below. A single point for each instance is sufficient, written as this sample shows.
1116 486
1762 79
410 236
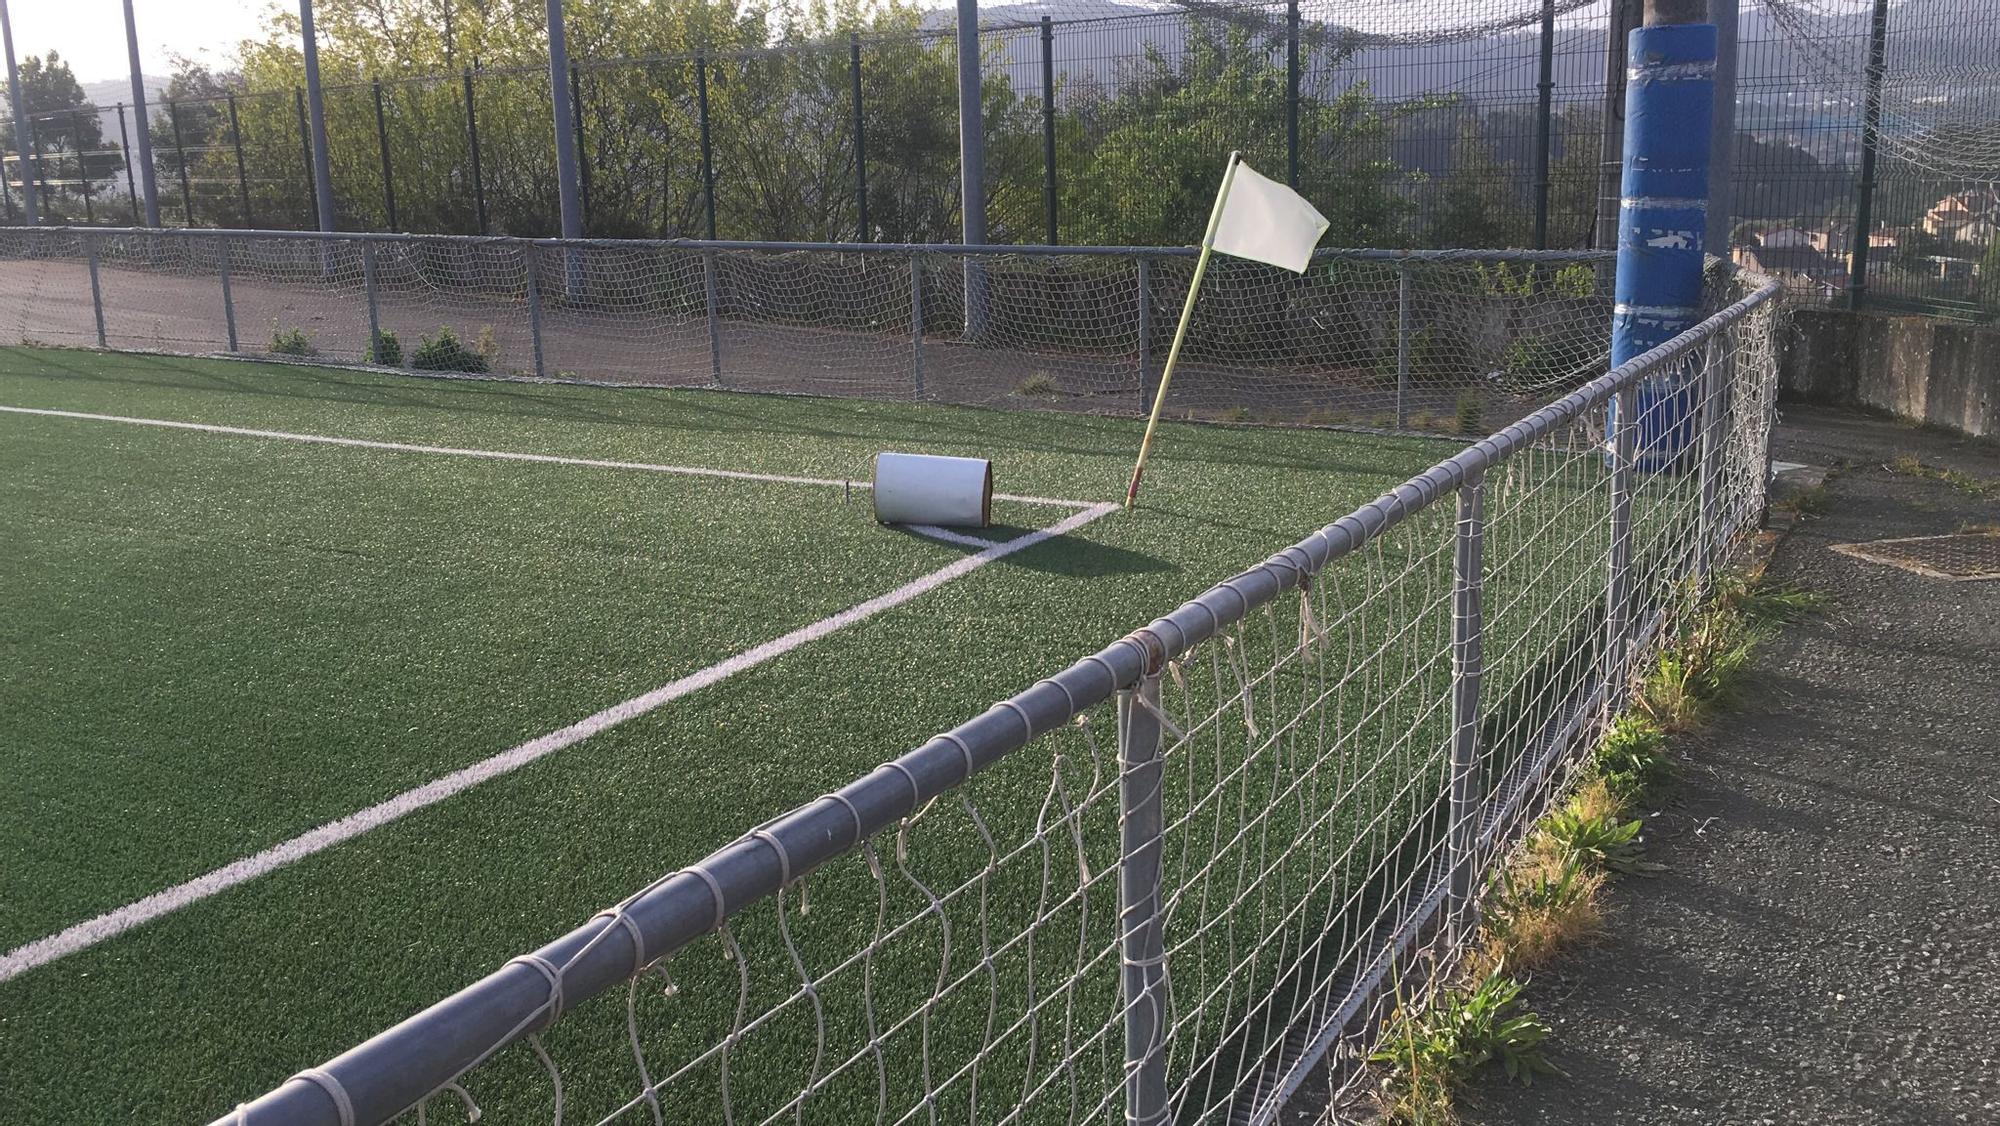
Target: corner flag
1255 218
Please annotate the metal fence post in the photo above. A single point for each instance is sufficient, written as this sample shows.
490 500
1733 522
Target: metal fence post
1292 94
1049 127
1711 414
917 322
125 147
242 169
1545 87
582 150
306 156
388 169
1402 340
228 294
374 313
24 127
1145 332
1618 580
472 139
711 292
860 139
181 159
1467 663
82 169
534 294
96 296
1871 135
1142 937
707 151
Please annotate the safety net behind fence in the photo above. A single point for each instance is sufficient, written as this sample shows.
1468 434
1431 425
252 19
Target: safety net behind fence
1177 880
1442 341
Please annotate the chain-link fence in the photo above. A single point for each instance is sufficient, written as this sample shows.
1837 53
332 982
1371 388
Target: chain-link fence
1170 881
1442 341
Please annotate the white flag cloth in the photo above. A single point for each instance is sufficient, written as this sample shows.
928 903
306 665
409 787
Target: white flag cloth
1266 221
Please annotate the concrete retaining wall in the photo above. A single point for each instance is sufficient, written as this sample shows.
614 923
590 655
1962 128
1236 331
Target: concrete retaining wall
1918 368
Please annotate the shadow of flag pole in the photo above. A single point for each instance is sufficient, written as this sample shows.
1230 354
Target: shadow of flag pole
1180 333
1262 220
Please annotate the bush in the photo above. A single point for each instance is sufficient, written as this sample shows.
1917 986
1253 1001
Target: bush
291 342
443 351
1471 415
386 350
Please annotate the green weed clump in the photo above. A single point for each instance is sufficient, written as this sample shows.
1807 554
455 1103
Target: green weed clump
1038 384
443 351
386 350
291 341
1432 1051
1632 759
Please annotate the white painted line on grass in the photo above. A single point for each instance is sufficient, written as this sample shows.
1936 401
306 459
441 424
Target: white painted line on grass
87 934
946 535
500 455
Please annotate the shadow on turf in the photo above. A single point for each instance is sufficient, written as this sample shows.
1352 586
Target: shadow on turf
1082 435
1059 555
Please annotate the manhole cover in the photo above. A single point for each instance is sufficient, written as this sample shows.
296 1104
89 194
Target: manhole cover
1972 556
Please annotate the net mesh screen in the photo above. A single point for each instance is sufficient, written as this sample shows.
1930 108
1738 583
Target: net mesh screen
1451 343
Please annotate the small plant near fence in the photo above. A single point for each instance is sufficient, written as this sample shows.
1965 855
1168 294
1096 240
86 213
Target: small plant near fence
1548 897
385 350
290 340
444 351
1432 1051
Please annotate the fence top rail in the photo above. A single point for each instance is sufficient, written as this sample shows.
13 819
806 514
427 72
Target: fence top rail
984 249
390 1073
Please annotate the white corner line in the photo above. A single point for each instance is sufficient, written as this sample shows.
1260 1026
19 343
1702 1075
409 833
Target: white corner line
946 535
84 935
501 455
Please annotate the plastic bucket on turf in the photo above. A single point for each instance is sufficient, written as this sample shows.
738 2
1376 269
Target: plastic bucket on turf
928 489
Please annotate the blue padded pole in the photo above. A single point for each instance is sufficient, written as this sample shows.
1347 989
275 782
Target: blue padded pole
1662 217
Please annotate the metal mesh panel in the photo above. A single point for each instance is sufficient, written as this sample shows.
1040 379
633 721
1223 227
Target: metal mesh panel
1173 881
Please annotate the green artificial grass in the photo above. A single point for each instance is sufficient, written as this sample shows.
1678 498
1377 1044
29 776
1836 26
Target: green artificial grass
216 642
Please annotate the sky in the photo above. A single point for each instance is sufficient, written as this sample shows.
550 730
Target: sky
91 33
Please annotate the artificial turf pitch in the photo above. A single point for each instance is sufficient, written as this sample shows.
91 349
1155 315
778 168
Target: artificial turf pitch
210 643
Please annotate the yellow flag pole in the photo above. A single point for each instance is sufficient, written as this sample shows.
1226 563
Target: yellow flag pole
1180 333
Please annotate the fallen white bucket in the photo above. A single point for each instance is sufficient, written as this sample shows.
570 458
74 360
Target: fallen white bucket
926 489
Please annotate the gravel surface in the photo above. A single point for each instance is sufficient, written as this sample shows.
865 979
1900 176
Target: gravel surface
1824 946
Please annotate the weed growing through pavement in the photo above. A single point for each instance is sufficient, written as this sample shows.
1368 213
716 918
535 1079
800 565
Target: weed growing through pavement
1549 897
1909 466
1434 1049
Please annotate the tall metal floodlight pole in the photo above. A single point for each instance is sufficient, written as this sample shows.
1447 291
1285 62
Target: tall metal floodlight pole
22 125
971 165
145 137
568 199
566 177
322 166
1722 154
1663 216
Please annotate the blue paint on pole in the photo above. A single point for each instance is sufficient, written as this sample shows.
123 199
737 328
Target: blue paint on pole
1662 218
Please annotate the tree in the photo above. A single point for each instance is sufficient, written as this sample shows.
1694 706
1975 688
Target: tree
1141 166
66 133
190 131
1477 206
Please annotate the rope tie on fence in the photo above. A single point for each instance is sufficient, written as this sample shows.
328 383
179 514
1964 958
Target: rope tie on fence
548 970
325 1081
714 889
859 828
964 752
777 846
618 916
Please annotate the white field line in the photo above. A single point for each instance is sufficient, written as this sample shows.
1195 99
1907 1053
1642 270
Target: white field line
946 535
87 934
501 455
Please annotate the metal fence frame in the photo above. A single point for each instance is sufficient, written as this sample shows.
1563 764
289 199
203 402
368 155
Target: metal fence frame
395 1070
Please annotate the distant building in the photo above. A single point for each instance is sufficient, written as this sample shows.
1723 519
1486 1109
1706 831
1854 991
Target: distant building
1968 217
1799 262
